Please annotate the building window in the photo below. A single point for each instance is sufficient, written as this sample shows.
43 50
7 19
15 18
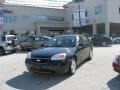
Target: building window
10 19
25 17
98 9
86 13
78 0
8 11
119 10
47 18
55 18
72 17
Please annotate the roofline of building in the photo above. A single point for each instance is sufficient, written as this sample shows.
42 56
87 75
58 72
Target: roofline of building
35 6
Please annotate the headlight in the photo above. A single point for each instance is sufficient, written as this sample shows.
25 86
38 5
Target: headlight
60 56
28 56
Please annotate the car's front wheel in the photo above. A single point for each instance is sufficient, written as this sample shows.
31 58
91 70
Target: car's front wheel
2 52
73 67
90 55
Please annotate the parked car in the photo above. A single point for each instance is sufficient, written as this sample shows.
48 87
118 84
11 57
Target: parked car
8 43
87 35
61 54
34 42
116 64
116 40
101 40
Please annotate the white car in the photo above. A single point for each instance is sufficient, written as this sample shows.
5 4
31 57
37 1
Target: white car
8 43
116 40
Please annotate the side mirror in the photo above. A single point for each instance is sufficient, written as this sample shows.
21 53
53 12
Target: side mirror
80 46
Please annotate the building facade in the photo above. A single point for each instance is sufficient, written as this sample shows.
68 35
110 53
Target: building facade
23 20
101 16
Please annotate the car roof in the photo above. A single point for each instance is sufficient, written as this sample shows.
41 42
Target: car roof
71 35
9 35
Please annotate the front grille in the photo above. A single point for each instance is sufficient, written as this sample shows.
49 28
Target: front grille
40 60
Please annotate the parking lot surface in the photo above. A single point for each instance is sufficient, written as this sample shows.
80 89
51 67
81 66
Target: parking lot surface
96 74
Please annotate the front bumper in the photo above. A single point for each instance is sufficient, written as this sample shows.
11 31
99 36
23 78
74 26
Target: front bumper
116 67
10 48
54 66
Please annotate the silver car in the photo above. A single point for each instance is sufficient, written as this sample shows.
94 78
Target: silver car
8 43
34 42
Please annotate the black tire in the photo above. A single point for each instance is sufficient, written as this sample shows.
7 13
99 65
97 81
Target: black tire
72 67
22 49
14 51
2 52
90 55
117 41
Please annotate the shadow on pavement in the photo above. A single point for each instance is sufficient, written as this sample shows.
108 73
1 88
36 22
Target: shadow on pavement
35 81
20 52
99 46
114 84
30 81
23 52
7 54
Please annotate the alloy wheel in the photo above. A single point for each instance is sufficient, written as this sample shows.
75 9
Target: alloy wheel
90 55
73 67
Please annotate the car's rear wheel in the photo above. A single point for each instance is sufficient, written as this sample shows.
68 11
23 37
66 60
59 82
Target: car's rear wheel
73 66
21 47
2 52
13 51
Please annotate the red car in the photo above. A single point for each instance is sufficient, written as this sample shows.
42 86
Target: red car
116 64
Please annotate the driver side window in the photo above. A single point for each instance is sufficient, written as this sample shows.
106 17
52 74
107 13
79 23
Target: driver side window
80 40
29 39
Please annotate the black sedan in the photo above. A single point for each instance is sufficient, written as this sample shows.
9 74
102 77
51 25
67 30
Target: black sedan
61 54
101 40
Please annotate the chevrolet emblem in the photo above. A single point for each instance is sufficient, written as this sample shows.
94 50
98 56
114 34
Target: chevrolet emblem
38 60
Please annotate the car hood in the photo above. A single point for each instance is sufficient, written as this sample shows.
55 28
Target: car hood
50 51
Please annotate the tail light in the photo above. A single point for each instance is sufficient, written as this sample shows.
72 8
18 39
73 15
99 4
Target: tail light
117 59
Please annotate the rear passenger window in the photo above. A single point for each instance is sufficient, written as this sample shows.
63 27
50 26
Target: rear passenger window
37 38
44 39
29 39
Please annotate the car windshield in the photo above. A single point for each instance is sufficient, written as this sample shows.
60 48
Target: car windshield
62 41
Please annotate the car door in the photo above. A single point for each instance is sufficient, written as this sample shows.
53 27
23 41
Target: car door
86 47
27 43
44 40
37 42
98 39
80 50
